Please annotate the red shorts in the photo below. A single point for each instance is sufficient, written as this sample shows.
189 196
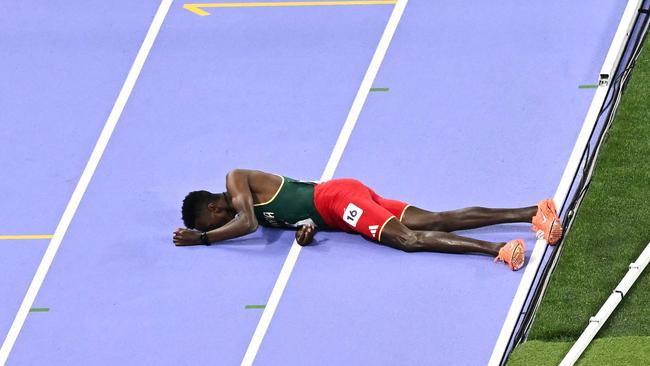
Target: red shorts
348 205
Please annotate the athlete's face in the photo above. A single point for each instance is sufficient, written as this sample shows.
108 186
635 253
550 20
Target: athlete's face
212 217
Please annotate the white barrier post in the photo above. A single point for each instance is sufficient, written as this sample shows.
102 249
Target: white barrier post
596 322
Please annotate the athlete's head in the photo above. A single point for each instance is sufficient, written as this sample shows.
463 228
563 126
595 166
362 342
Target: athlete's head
205 211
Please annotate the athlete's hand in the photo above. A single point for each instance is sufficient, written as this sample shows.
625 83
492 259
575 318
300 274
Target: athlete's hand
305 234
186 237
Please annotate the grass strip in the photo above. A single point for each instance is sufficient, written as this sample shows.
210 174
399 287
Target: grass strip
604 351
255 306
610 231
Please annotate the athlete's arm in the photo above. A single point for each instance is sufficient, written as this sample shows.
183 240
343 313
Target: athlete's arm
244 222
305 234
242 201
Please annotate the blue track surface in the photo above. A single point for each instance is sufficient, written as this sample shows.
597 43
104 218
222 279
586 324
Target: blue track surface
19 259
476 93
473 101
62 66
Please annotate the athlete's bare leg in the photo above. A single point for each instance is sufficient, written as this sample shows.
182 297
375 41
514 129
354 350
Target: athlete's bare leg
397 235
466 218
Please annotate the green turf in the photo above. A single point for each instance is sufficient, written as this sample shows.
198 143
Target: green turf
605 351
610 231
612 227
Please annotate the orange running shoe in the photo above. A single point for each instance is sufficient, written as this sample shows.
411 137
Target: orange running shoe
513 253
546 222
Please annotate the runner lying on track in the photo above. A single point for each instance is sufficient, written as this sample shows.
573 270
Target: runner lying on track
255 198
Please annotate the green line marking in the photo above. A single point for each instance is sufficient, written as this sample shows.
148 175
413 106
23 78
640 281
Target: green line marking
38 310
588 86
255 306
378 89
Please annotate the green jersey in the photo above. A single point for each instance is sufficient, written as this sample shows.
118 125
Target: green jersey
291 206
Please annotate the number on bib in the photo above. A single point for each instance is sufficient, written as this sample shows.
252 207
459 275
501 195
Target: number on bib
352 214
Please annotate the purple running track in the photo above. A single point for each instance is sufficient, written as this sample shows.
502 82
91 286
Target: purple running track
62 66
483 109
259 88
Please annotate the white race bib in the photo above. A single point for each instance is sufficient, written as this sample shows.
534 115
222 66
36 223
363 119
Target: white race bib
352 214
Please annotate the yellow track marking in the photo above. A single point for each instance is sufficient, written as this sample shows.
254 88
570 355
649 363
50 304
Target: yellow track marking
22 237
196 8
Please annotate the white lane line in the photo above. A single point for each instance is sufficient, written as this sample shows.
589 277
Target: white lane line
82 185
328 173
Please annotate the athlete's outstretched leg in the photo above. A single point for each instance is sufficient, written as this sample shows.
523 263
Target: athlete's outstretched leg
397 235
466 218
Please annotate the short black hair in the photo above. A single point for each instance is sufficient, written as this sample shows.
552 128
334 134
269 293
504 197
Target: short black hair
194 203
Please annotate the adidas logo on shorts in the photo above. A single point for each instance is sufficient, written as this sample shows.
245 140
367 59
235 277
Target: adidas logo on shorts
373 229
